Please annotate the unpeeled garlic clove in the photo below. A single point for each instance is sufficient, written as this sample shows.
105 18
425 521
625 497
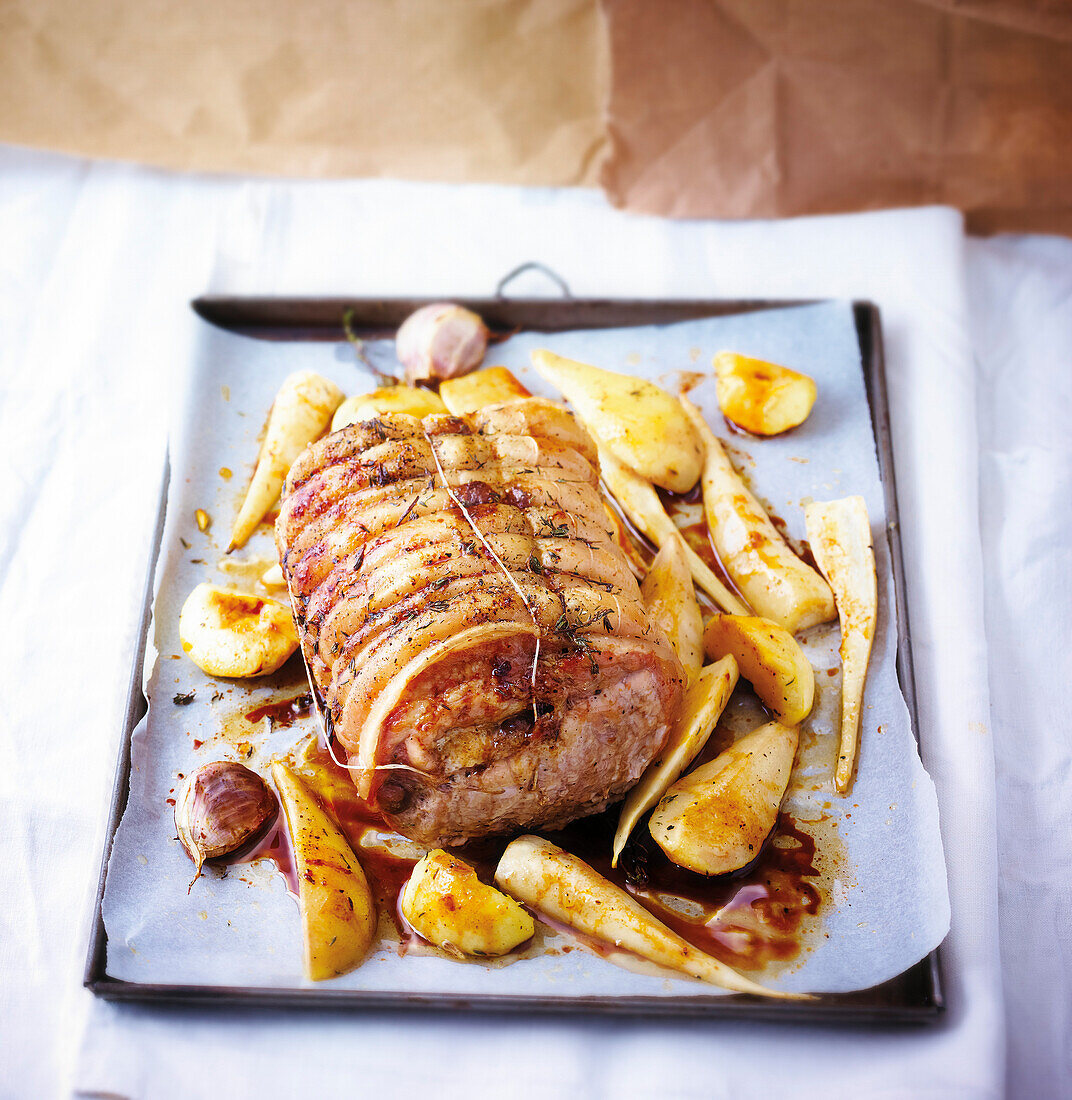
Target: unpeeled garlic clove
442 340
222 807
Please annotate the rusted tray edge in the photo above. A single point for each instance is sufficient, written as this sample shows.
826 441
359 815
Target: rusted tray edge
320 319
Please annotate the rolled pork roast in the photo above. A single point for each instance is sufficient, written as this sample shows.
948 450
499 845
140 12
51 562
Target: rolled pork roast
471 623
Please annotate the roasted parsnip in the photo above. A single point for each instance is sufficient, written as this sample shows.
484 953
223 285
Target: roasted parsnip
716 819
640 502
777 584
769 659
300 413
705 700
671 602
337 909
237 634
840 535
449 906
639 423
554 882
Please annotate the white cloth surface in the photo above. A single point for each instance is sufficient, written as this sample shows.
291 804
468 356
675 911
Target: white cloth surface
97 263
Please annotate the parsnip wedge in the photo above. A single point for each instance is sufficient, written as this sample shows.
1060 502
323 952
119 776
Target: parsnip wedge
301 411
388 399
639 423
566 889
763 398
337 909
472 392
777 584
716 819
671 602
840 535
449 906
769 659
705 700
641 503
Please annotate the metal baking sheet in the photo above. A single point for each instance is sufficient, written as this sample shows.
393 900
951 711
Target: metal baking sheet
914 996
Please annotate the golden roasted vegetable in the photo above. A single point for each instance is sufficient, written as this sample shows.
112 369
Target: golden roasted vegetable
273 577
671 602
473 392
705 700
300 413
337 910
639 423
769 659
763 398
566 889
449 906
640 502
718 817
387 399
237 634
777 584
840 536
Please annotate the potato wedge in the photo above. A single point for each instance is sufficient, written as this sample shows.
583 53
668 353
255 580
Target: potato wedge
769 659
777 584
449 906
300 413
718 817
236 634
671 602
387 399
472 392
705 700
566 889
639 423
763 398
337 909
840 536
641 503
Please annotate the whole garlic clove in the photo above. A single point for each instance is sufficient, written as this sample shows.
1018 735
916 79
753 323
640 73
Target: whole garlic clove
222 807
442 340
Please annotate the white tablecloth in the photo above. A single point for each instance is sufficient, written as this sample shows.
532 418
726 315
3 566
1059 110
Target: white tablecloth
97 263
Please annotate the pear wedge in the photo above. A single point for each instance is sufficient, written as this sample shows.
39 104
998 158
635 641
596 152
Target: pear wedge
671 602
337 909
642 425
717 818
763 398
705 700
769 659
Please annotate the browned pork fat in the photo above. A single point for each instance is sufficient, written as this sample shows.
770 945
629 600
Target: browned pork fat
432 564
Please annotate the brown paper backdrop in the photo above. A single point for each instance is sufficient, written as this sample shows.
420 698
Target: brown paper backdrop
505 90
755 108
723 108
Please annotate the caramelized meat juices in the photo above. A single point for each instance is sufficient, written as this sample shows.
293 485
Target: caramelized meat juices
471 621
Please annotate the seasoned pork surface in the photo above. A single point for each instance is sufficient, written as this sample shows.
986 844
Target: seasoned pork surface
473 626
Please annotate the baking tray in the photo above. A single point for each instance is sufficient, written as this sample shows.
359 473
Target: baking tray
913 997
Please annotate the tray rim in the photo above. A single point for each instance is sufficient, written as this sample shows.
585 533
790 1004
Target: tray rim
314 318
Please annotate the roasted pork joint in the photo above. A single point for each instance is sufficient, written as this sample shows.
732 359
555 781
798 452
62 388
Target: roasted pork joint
476 633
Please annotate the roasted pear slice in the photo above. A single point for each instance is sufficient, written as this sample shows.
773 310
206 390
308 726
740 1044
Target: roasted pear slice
640 424
769 659
718 817
449 906
705 700
337 909
763 398
671 602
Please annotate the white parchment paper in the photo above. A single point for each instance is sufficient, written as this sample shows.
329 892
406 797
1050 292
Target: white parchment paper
890 904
